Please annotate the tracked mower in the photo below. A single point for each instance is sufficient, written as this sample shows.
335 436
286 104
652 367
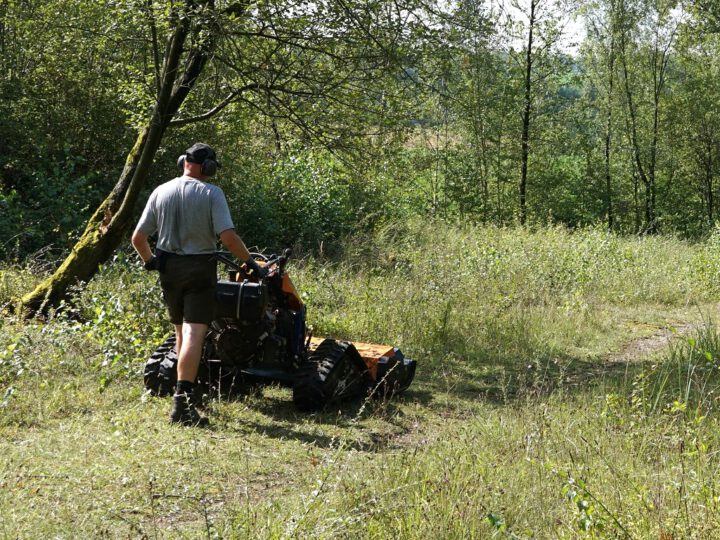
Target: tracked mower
260 337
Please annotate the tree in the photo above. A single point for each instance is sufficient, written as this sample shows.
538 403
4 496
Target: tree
482 102
313 66
543 28
188 39
602 30
644 90
695 112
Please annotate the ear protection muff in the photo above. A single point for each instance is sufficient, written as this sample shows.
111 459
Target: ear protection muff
208 167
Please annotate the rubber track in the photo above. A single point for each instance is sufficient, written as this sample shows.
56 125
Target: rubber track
318 381
161 369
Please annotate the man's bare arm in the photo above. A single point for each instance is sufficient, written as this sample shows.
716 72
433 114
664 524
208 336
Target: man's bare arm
142 246
234 244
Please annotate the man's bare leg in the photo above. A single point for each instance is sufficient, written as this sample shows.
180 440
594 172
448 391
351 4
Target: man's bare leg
178 339
191 337
190 350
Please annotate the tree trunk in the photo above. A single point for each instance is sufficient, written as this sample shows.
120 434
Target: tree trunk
711 203
706 160
636 201
108 225
635 140
651 214
527 112
608 126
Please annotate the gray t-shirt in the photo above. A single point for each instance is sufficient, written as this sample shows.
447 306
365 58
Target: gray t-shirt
188 215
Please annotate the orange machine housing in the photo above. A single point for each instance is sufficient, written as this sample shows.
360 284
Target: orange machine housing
371 353
293 297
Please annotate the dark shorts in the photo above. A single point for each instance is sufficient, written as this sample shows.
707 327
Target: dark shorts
188 284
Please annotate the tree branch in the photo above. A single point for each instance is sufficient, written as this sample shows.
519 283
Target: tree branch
215 110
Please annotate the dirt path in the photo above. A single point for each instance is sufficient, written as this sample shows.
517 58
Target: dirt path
639 348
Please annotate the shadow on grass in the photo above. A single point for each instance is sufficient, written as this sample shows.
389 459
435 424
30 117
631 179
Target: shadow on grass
500 382
506 380
346 420
440 385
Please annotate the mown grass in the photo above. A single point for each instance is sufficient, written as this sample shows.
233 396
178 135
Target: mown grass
526 420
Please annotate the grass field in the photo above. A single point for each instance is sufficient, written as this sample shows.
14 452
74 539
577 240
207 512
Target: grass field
567 387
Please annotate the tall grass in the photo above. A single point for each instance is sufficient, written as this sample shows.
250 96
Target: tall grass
490 298
525 421
638 462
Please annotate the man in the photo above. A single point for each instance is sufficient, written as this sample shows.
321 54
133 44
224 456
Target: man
188 214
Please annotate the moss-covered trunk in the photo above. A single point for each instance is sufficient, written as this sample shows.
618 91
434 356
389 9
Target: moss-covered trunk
108 225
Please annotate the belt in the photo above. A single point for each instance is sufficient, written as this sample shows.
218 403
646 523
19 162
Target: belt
163 257
188 255
169 254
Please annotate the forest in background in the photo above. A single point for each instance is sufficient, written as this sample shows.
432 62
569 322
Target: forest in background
332 117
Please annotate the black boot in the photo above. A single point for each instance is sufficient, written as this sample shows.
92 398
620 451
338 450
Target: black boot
183 411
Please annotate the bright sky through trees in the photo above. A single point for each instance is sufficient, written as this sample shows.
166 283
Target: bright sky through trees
571 24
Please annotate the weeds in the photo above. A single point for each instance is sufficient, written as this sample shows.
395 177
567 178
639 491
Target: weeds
526 420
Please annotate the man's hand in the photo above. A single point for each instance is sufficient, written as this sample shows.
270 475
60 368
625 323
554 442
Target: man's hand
151 264
259 271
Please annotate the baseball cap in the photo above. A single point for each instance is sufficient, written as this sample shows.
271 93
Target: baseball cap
199 152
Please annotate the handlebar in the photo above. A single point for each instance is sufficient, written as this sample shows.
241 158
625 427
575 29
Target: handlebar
281 261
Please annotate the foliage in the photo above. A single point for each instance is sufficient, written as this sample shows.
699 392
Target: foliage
420 118
61 121
304 199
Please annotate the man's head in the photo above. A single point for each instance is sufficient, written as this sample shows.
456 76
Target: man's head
199 161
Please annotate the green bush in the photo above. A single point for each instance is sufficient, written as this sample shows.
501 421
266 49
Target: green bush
306 199
48 207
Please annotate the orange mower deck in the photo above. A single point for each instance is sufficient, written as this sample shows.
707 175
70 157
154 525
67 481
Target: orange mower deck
371 353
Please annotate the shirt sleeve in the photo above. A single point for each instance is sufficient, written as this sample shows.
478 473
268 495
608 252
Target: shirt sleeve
148 220
222 221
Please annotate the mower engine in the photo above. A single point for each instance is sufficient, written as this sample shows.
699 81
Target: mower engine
244 323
